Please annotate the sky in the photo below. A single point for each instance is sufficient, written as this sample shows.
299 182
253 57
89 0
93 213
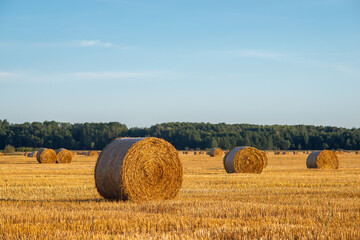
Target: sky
143 62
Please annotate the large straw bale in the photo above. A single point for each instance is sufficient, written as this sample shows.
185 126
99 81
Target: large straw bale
322 159
139 169
46 155
63 155
215 152
245 160
33 154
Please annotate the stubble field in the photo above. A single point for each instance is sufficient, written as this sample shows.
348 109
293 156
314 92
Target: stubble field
286 201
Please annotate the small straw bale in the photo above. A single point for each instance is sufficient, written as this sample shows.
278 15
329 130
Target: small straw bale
357 152
139 169
25 154
322 159
1 154
33 154
63 155
245 160
46 155
216 152
92 153
295 152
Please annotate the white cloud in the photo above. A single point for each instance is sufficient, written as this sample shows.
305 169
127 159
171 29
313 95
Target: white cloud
94 43
259 54
108 75
8 75
253 53
36 77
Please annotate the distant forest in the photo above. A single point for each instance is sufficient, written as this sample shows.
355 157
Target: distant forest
183 135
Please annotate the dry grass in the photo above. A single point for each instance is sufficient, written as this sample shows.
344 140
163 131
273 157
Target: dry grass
287 201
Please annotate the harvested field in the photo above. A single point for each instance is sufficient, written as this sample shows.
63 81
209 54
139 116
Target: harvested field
286 201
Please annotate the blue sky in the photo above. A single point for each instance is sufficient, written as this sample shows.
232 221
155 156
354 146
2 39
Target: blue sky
145 62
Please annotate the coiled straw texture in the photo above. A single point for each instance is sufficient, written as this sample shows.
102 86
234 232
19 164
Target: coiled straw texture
325 159
216 152
245 160
63 155
46 155
139 169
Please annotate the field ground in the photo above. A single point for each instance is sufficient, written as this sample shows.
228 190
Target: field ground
286 201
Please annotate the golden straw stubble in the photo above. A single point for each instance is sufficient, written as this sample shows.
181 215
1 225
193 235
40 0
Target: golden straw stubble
325 159
139 169
63 155
245 160
46 155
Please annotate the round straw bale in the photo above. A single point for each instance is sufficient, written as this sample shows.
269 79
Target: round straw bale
1 154
25 154
245 160
46 155
215 152
322 159
139 169
63 155
92 153
33 154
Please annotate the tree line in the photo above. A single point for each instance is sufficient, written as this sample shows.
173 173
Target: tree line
183 135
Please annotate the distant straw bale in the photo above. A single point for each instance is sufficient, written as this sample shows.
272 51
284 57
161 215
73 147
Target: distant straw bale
139 169
216 152
63 155
33 154
1 154
322 159
245 160
46 155
92 153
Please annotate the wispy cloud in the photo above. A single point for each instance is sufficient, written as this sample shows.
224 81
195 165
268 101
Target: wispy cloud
8 75
252 53
31 76
110 75
94 43
70 44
